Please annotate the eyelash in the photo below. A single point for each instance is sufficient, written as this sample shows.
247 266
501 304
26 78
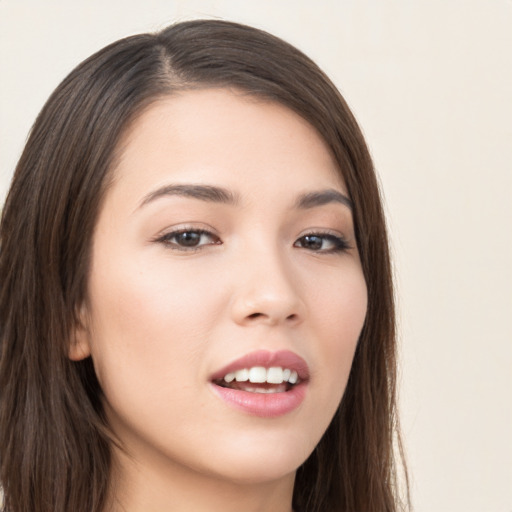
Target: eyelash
339 244
167 239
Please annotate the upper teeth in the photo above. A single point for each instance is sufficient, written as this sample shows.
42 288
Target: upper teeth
259 374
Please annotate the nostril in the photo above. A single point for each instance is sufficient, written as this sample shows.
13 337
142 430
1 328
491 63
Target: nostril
255 316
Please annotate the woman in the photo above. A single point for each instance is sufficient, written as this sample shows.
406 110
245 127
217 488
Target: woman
196 302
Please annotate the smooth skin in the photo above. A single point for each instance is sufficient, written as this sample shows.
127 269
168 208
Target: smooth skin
182 285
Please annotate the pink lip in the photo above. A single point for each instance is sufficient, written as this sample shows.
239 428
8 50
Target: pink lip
265 405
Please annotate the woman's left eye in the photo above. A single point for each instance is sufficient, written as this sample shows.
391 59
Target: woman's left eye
188 239
322 242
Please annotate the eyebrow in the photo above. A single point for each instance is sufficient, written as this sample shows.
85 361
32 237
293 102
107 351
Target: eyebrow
322 197
211 193
201 192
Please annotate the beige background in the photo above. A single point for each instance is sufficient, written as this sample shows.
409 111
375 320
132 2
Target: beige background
431 84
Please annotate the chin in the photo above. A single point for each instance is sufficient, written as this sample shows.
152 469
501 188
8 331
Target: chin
262 459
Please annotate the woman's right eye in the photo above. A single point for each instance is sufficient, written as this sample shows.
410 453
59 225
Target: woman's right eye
188 239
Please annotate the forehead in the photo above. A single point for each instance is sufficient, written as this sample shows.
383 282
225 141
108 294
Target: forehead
227 137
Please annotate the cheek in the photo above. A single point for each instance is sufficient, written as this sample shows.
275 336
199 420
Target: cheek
149 321
341 312
148 336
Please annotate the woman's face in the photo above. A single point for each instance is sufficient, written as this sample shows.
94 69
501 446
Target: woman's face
225 244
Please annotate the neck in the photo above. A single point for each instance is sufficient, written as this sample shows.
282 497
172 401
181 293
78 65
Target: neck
139 486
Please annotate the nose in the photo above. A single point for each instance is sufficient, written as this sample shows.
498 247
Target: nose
267 292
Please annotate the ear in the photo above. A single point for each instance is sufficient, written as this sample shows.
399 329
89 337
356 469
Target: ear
79 345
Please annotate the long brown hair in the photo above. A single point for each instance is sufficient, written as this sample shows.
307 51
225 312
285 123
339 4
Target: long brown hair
55 445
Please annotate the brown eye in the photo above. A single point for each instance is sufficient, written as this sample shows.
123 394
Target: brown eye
189 239
322 242
312 242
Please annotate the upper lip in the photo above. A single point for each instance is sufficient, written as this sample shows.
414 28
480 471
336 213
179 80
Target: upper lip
267 359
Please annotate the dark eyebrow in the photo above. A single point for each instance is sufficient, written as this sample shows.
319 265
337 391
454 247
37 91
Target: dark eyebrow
201 192
313 199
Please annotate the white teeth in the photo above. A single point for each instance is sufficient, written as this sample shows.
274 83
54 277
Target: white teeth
275 375
242 375
230 377
257 374
263 390
260 375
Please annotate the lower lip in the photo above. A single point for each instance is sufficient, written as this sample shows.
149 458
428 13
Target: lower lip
265 405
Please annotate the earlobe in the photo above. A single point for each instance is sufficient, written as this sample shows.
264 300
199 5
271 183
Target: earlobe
79 346
78 350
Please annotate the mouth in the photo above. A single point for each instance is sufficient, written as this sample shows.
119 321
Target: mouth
259 379
263 383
